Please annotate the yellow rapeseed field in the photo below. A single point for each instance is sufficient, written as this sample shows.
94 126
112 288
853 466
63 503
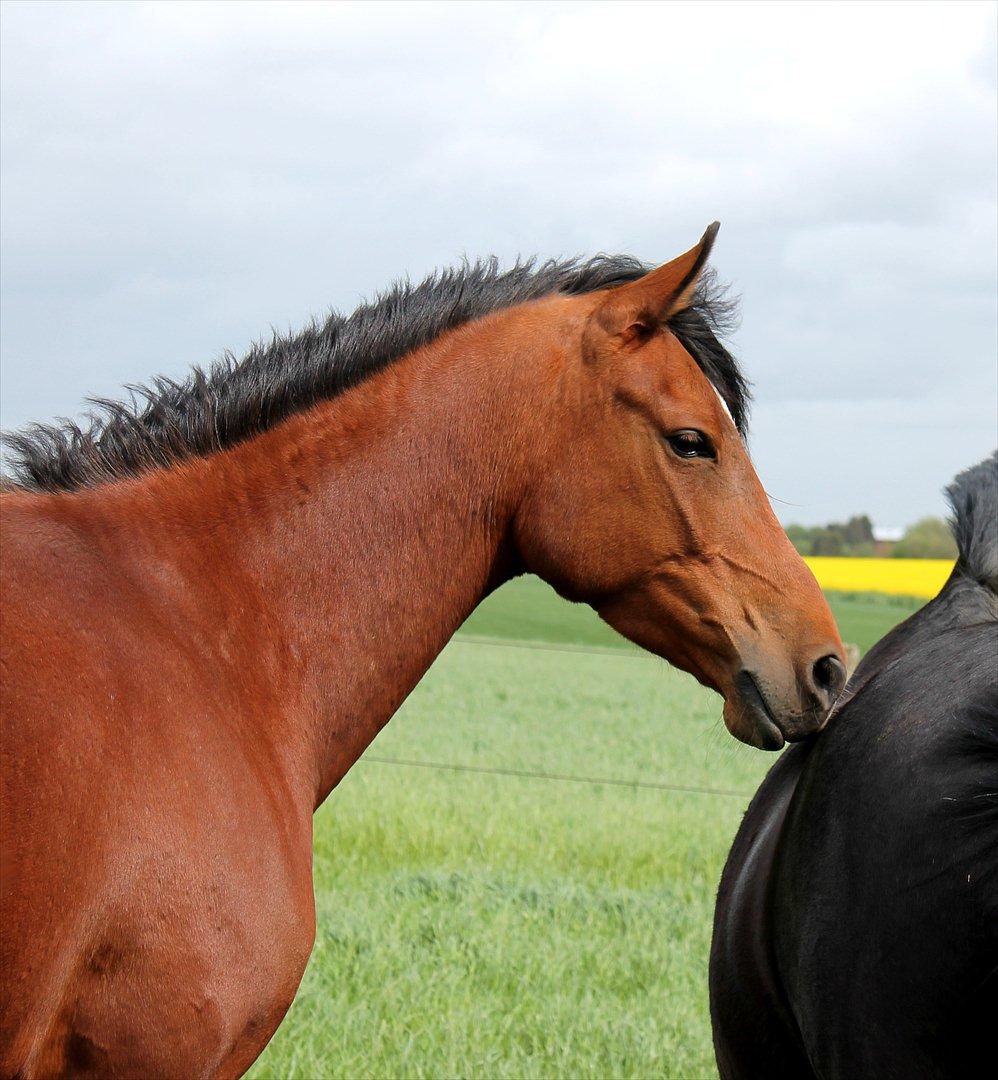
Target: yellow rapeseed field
899 577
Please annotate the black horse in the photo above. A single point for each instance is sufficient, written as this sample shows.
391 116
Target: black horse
856 929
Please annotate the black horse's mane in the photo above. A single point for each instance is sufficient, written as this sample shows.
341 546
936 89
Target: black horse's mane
167 421
973 495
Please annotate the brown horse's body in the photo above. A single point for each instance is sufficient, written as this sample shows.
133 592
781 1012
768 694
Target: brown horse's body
195 656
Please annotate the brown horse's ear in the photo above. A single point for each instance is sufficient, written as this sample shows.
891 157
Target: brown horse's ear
634 311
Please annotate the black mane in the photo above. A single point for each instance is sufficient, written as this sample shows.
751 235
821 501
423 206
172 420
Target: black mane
233 400
974 498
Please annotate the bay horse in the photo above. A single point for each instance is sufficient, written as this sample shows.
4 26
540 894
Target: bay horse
216 595
856 928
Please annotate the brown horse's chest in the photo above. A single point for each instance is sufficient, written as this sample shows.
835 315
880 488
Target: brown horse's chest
187 972
160 913
205 1004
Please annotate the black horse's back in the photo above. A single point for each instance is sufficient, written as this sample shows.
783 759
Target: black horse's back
883 894
856 930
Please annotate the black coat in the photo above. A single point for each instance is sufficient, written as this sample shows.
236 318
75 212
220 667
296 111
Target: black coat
856 928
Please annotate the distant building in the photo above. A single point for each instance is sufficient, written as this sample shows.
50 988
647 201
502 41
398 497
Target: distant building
885 538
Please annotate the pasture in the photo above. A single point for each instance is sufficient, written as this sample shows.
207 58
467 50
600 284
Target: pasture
486 924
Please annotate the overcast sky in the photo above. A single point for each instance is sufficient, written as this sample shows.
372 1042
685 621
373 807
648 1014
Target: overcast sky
177 178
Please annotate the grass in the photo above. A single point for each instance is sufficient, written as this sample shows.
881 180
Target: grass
864 618
495 926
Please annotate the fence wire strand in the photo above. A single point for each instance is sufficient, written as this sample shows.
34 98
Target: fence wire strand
532 774
537 774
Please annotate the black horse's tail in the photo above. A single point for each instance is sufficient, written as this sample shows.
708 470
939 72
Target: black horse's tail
974 498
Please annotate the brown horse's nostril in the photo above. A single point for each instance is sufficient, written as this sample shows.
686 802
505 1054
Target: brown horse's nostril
828 677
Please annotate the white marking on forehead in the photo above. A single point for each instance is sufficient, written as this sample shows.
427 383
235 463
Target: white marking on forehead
724 404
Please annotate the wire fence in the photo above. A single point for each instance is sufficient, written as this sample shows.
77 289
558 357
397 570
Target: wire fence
624 651
536 774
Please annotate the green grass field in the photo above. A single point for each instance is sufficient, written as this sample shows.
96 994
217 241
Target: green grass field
481 925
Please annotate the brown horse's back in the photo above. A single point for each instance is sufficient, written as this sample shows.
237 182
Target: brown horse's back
101 799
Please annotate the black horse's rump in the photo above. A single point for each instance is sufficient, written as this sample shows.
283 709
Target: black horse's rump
856 928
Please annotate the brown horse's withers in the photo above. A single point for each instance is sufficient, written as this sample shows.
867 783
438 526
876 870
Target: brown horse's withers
199 638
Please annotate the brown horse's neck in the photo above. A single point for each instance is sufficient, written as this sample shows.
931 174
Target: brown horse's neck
335 555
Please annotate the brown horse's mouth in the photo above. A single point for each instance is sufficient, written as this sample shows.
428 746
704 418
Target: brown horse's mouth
763 730
756 722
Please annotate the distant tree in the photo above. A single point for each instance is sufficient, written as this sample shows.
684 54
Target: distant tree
929 538
858 531
854 537
828 541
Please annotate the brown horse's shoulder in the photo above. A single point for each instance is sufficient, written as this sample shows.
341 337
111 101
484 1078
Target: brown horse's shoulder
184 875
213 983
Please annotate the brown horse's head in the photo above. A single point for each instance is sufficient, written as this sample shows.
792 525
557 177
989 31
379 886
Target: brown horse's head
648 508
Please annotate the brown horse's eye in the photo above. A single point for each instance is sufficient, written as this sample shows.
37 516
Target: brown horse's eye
691 444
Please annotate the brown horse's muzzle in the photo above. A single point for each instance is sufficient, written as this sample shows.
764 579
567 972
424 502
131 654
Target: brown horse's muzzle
779 675
766 711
